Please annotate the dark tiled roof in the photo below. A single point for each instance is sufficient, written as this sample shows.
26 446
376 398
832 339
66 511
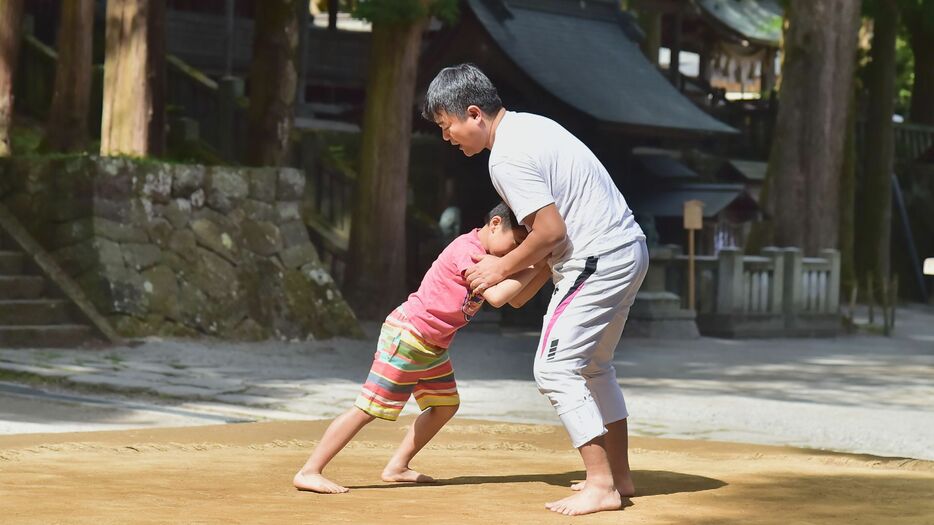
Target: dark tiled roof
583 53
665 167
750 169
759 21
716 198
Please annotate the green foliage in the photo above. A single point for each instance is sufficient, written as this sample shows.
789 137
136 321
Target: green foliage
904 74
25 138
404 11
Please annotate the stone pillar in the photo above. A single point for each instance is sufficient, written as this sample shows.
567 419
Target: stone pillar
793 300
833 281
776 291
656 312
730 281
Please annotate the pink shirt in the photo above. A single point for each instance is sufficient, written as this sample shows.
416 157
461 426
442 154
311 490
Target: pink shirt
443 303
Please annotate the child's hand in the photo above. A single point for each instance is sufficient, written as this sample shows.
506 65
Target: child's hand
486 273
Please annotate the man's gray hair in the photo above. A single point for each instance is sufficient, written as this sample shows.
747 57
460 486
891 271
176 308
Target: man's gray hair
457 87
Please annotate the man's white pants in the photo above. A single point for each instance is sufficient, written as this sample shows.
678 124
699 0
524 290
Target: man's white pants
585 319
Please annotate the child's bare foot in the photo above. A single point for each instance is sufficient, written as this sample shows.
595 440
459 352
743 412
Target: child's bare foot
579 486
317 483
587 501
405 475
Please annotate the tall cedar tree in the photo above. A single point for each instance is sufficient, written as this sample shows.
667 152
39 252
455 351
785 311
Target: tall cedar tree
802 186
132 121
375 280
67 128
11 19
273 80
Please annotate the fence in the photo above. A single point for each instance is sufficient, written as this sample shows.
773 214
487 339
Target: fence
217 107
778 293
912 140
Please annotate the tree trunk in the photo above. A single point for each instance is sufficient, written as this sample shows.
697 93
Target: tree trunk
11 21
128 109
922 93
67 128
807 149
376 269
156 75
273 81
848 277
875 216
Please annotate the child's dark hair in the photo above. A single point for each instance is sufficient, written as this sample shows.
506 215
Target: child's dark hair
503 212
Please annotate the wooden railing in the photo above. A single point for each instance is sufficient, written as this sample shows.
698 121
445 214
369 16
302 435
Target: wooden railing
912 140
35 78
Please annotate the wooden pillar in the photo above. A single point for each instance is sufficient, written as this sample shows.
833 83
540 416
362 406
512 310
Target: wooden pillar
674 62
304 18
333 7
229 6
651 22
155 49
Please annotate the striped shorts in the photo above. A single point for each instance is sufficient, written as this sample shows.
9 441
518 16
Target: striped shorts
405 364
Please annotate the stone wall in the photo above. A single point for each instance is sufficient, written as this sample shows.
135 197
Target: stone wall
181 250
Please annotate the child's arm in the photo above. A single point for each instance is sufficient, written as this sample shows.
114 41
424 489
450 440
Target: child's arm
528 291
508 290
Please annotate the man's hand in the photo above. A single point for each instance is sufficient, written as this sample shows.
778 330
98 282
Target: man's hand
486 273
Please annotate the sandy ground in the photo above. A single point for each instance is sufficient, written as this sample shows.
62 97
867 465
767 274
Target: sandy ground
491 473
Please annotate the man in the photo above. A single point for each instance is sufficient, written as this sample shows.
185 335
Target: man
562 193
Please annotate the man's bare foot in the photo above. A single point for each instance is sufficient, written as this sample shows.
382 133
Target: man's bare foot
405 475
587 501
626 489
317 483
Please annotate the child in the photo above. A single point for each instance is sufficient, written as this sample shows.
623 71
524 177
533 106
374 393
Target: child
411 355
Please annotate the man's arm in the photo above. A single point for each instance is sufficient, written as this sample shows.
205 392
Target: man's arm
547 232
510 288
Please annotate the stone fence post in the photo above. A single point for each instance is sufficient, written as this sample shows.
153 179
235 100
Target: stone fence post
793 301
730 281
777 288
833 280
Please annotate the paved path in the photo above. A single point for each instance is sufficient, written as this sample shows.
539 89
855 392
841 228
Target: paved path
862 393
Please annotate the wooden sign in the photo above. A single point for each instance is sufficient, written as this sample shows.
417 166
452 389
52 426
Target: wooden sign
693 214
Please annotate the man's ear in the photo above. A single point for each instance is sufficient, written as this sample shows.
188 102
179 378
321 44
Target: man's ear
474 112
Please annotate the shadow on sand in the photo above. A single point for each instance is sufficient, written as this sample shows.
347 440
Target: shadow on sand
648 482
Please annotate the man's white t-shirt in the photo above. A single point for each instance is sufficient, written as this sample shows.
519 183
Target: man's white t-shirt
535 162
